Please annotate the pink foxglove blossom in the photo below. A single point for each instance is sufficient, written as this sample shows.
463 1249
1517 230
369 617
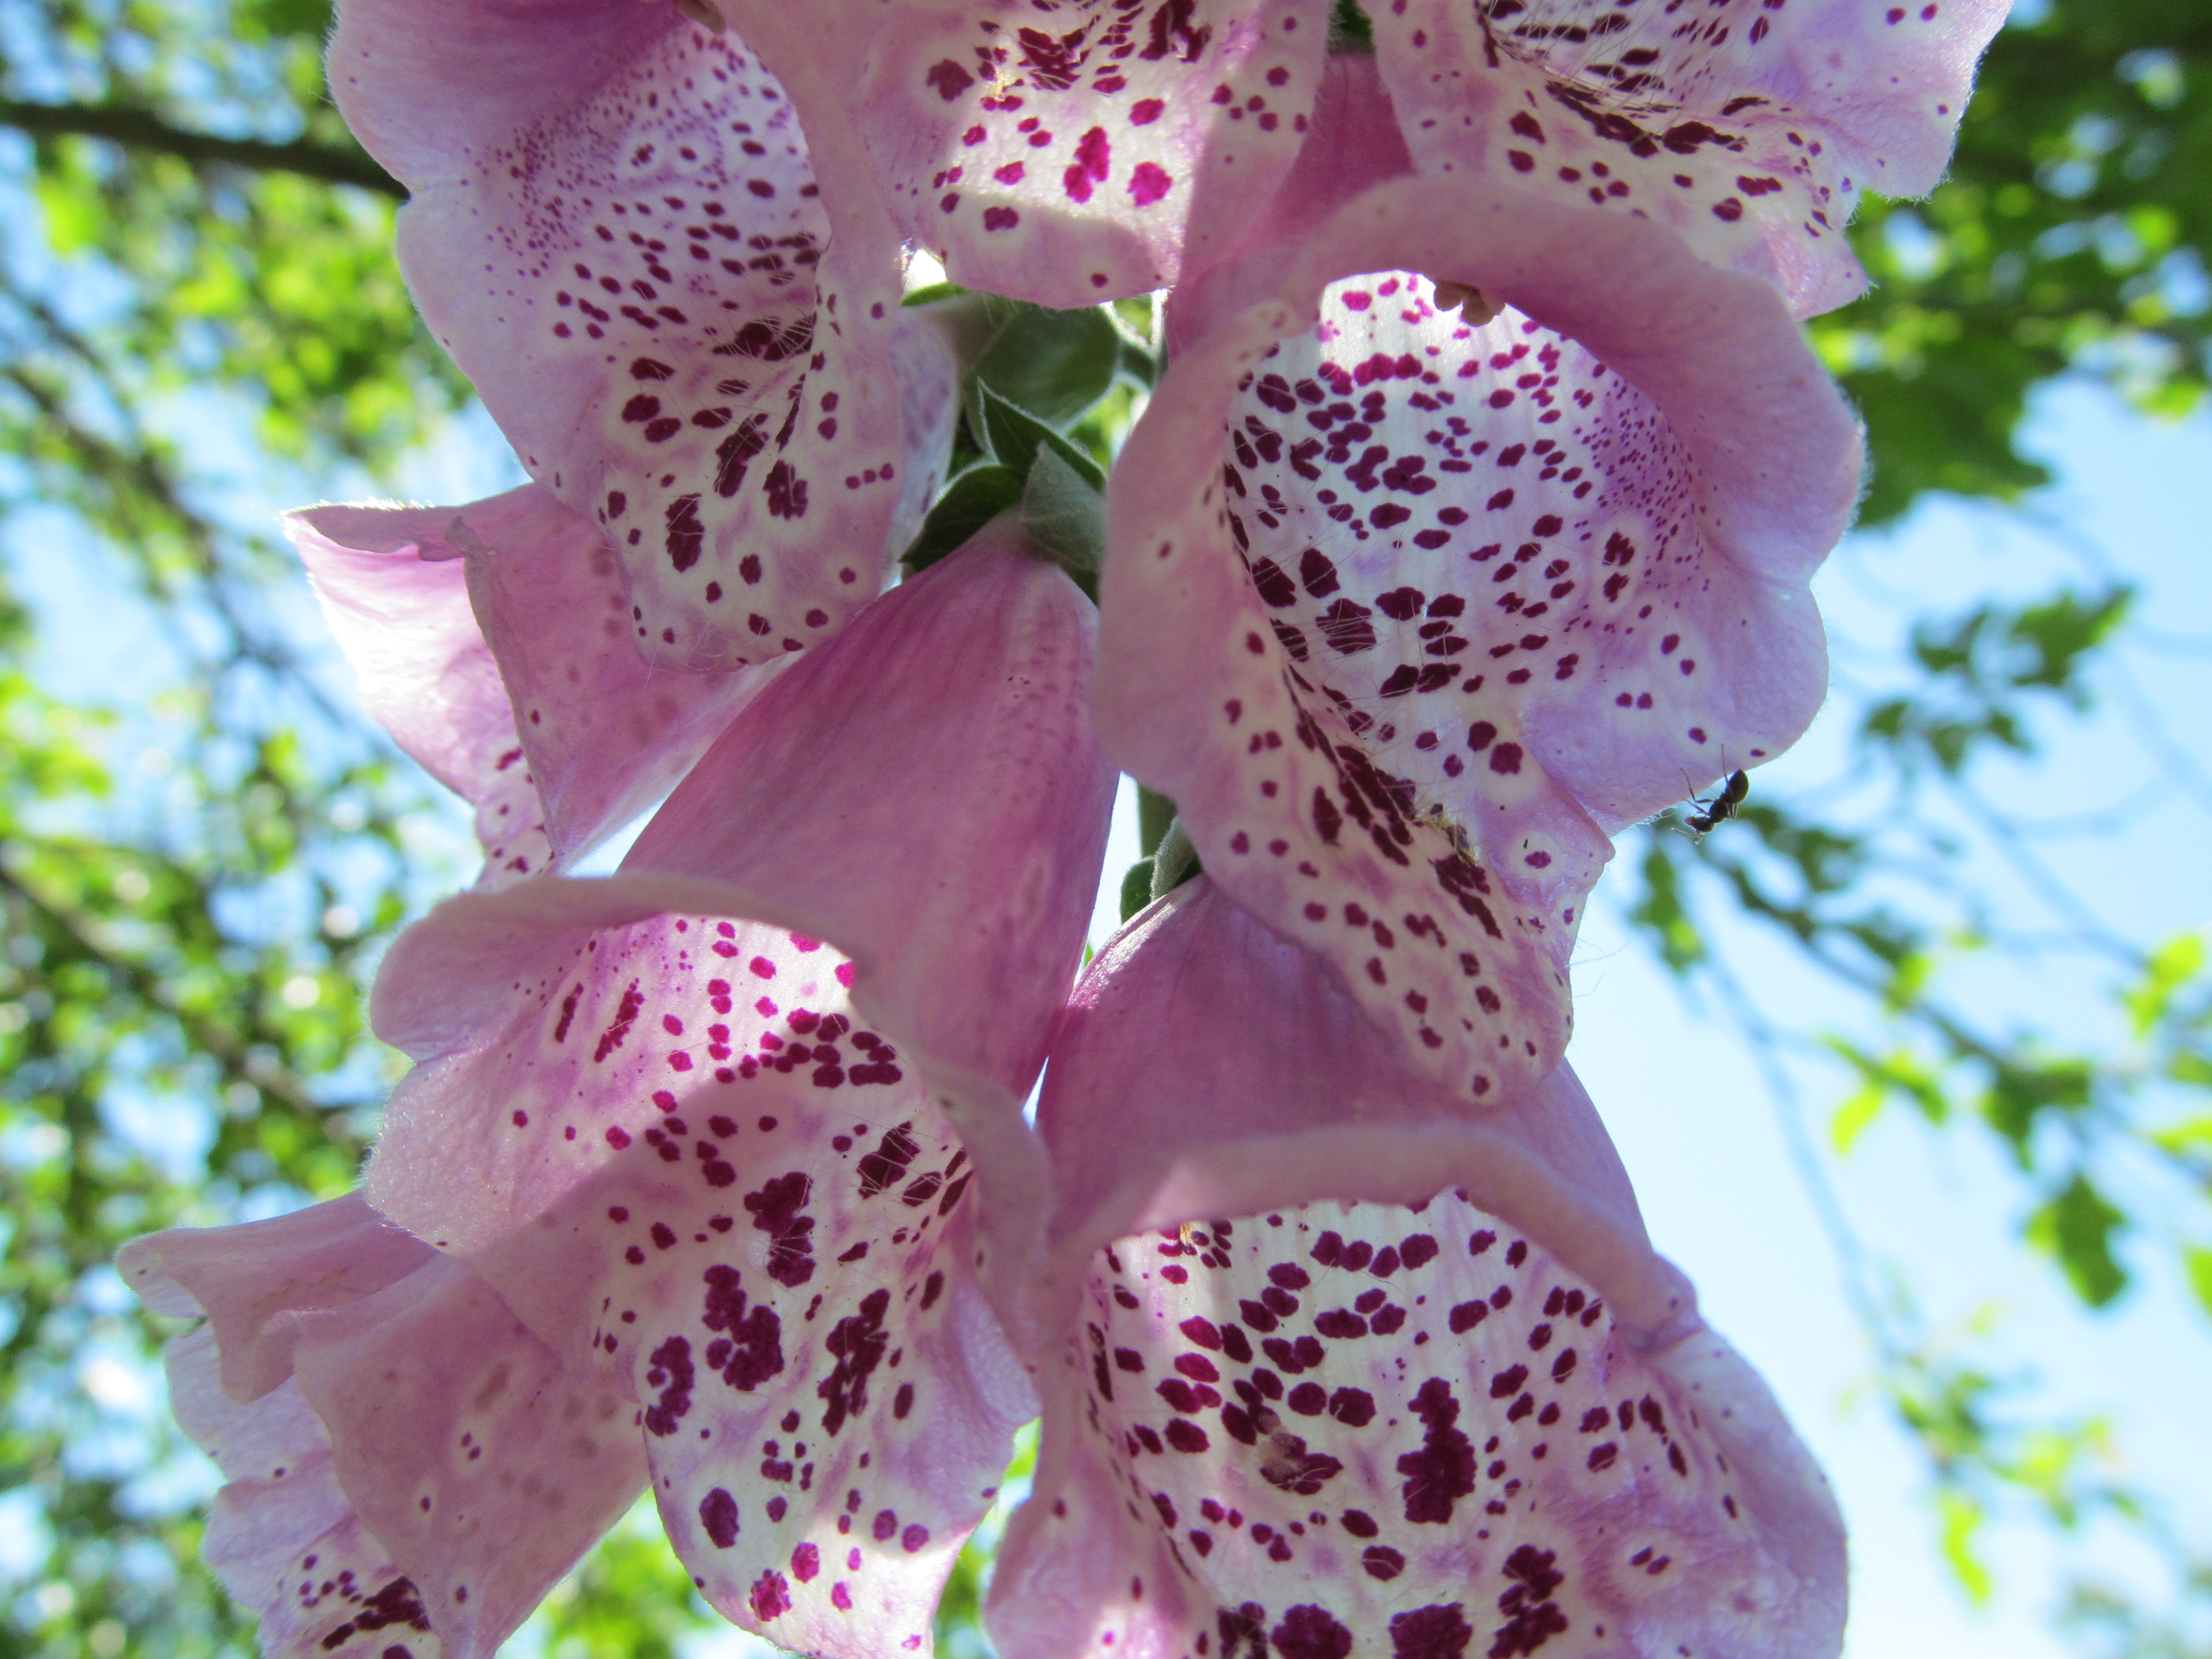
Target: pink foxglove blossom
1414 1423
409 1468
1064 155
686 327
492 641
673 1150
1408 613
1750 130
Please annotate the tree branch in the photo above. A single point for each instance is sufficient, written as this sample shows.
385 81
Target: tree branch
270 1077
140 131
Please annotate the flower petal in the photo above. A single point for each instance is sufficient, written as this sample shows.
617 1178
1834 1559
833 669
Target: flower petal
708 1173
1209 1065
253 1281
423 671
950 732
486 1464
947 729
600 732
1752 142
1062 159
1399 1428
686 336
1446 1442
1437 587
738 1168
407 1453
280 1495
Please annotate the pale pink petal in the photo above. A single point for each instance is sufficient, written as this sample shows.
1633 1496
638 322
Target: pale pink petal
740 1168
1343 1485
687 1154
486 1463
1353 144
927 794
253 1281
946 732
590 728
1209 1065
401 1452
1064 157
1467 1422
681 322
280 1494
1382 587
1753 137
422 669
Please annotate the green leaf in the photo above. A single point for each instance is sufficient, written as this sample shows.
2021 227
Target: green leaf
1011 435
1854 1116
2076 1227
2172 966
974 498
2196 1262
1054 363
1962 1518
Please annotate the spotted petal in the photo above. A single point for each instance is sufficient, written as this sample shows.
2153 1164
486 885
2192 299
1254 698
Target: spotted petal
1406 614
947 729
1750 130
411 1459
748 1204
682 325
512 675
1085 154
1411 1423
739 1167
282 1537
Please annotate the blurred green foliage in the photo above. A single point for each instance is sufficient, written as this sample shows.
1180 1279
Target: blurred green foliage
199 312
2070 234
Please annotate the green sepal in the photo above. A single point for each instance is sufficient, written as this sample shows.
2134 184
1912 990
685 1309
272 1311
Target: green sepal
1155 812
1013 436
1066 515
970 501
1054 363
1136 888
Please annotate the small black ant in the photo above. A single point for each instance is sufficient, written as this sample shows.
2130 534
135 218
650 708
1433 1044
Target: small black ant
1722 807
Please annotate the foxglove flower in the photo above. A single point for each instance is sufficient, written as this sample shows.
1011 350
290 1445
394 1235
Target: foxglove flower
744 1182
371 1403
1067 154
492 641
682 323
1414 1423
1408 613
1751 131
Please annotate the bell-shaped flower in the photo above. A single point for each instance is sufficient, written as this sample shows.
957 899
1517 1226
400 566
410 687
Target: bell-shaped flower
492 642
409 1469
750 1181
687 327
1408 612
1752 132
1332 1367
1060 154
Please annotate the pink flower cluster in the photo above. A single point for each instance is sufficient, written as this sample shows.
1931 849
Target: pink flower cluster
1477 511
